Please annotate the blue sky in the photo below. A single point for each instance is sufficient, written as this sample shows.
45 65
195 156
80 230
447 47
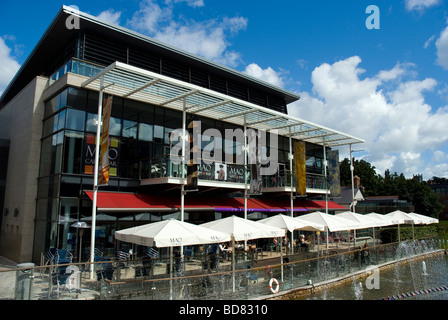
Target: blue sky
388 86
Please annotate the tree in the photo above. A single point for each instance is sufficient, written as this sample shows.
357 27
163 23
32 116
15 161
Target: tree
370 180
424 199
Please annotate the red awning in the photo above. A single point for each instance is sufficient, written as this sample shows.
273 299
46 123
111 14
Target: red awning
119 201
320 205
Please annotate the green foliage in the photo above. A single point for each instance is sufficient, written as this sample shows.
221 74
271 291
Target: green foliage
442 230
390 234
424 199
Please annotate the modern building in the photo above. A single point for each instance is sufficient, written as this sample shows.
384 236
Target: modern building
383 205
48 125
440 187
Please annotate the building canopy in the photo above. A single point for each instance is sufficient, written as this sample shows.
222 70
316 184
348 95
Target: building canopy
131 82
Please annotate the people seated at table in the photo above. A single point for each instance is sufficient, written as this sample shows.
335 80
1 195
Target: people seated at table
303 243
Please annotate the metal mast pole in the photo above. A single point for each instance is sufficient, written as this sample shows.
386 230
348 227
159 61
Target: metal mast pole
95 177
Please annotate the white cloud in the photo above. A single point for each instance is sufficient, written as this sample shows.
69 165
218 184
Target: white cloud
387 110
191 3
208 39
429 41
8 65
110 16
442 49
268 74
420 5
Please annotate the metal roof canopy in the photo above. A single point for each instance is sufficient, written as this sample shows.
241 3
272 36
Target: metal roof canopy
127 81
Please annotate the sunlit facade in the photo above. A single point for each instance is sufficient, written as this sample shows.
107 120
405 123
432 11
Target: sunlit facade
48 127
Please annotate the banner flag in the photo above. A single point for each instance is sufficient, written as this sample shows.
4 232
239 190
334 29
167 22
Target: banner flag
299 166
334 173
254 155
103 175
192 165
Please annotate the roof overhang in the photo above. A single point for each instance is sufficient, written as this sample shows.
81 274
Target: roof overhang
127 81
58 36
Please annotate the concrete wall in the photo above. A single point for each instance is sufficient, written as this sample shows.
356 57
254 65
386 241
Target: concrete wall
21 124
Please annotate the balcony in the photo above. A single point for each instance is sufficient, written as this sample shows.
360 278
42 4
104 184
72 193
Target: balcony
162 170
78 67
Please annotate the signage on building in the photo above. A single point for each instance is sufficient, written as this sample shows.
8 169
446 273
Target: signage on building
89 155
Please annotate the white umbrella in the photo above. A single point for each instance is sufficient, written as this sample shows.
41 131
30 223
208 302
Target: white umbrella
170 233
423 219
331 222
403 218
243 229
289 223
381 219
360 218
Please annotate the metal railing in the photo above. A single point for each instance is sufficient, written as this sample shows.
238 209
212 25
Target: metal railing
76 66
200 277
163 167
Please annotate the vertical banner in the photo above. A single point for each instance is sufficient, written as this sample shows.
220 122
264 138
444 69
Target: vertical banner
333 173
299 166
192 165
254 150
103 175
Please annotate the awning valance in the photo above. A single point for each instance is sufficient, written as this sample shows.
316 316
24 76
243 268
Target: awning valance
134 202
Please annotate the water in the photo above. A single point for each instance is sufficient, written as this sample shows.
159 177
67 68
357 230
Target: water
412 279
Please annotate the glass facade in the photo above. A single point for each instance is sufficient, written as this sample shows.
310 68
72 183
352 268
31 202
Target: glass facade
139 149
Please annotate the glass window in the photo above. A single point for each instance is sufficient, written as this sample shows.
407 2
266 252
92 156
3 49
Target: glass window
59 121
167 135
145 132
158 132
114 126
73 146
91 122
130 129
77 98
51 154
75 119
61 100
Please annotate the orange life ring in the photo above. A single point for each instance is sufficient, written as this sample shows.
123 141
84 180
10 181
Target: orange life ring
273 280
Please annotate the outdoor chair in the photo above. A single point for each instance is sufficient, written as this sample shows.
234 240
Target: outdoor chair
106 272
123 259
97 256
64 256
152 253
50 256
145 269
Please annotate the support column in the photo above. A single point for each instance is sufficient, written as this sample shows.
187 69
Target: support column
95 177
326 183
292 185
352 168
184 139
